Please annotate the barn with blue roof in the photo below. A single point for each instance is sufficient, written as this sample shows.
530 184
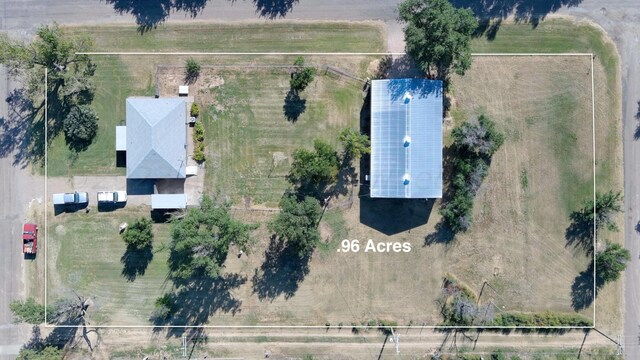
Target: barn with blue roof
406 138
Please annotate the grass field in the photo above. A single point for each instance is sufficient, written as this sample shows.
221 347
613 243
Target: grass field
541 174
250 141
89 257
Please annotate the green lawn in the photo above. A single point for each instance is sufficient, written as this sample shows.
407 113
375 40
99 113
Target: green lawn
119 77
244 37
552 36
114 84
88 254
251 130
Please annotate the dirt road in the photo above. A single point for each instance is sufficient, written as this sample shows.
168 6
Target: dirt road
333 344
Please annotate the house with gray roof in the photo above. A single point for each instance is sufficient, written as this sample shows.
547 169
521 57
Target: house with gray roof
155 138
406 138
155 144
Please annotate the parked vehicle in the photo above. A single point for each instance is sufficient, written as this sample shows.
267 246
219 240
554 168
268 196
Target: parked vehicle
111 197
71 198
29 239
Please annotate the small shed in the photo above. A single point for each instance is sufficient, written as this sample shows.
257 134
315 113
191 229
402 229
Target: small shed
168 201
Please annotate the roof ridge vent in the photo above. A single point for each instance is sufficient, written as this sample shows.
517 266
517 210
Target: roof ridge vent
406 179
406 141
407 97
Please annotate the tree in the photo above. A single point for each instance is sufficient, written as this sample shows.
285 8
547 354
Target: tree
611 262
192 70
138 235
297 223
313 170
438 35
481 138
302 76
41 353
607 206
474 145
354 144
69 72
201 239
27 311
81 125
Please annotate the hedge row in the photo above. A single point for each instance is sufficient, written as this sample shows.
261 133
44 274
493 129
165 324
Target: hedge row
541 319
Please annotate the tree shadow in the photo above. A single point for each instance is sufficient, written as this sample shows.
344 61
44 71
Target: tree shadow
580 234
347 177
398 88
273 9
135 262
19 129
443 235
636 134
400 67
36 342
198 298
294 106
62 336
527 11
281 272
78 145
149 14
488 28
582 289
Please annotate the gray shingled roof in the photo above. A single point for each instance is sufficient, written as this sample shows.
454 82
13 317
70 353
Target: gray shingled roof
156 138
406 138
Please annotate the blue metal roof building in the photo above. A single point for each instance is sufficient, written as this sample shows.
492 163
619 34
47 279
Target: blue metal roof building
406 138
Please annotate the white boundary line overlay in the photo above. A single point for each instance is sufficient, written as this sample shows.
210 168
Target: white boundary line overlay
435 327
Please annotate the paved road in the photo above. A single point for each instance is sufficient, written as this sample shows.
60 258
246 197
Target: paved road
11 262
621 20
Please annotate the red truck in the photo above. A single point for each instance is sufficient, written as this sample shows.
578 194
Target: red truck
29 239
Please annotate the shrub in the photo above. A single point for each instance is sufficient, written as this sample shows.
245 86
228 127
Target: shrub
198 133
192 70
138 235
164 307
198 153
541 319
195 110
498 355
27 311
302 76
